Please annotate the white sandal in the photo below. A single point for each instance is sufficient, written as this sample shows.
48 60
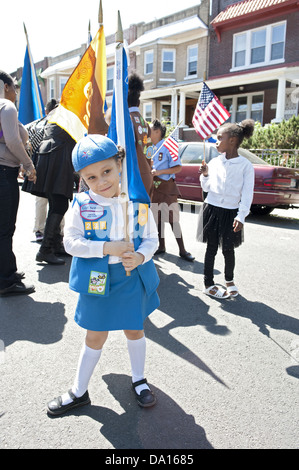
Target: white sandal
231 289
219 294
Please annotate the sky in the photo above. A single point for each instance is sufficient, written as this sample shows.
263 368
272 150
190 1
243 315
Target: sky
59 26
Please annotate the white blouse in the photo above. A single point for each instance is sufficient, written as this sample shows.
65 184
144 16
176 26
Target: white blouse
230 184
77 245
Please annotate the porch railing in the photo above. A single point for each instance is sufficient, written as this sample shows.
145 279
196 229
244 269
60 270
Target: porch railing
279 157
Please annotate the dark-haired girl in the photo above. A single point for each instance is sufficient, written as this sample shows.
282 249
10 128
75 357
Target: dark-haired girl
229 182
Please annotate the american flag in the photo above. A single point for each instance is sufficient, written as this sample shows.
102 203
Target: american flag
209 113
173 147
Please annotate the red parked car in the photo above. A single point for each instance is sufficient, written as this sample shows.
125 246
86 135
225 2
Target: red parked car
275 186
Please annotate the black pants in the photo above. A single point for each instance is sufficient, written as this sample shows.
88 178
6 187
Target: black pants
229 262
9 203
58 205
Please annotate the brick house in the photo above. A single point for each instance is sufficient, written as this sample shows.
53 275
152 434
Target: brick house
245 51
254 59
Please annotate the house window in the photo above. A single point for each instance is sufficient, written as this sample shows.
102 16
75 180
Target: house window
258 46
110 78
277 42
148 62
228 104
257 104
62 83
168 60
192 60
262 46
240 50
147 112
166 113
51 89
246 106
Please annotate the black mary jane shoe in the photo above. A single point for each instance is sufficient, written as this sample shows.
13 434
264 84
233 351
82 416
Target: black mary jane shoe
146 397
55 407
18 288
187 257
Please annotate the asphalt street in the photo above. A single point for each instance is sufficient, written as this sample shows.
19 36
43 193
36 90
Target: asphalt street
225 373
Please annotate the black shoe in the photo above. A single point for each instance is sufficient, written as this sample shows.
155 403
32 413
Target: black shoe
20 275
18 288
159 251
187 256
146 397
56 408
49 258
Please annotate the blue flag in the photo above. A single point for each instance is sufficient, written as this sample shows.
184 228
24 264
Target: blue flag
121 131
31 105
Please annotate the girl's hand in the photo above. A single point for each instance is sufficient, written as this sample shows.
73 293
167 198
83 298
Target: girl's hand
131 260
204 169
237 225
117 248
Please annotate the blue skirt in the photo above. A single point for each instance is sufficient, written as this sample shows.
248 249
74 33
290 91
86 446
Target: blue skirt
125 308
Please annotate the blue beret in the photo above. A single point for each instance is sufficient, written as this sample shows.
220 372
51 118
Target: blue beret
91 149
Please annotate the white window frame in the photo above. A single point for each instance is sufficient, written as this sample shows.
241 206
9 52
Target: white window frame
192 46
249 103
148 110
173 60
61 80
110 68
51 88
146 62
268 44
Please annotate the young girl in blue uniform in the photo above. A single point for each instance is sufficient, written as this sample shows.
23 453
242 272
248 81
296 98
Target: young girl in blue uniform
109 298
229 182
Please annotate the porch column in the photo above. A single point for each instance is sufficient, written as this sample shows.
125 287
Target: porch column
182 116
281 98
174 108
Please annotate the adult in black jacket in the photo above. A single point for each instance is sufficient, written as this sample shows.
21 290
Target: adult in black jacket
55 182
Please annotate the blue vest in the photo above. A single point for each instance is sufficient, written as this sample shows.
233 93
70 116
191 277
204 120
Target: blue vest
91 275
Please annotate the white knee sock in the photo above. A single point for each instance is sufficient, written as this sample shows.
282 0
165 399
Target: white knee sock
137 350
87 361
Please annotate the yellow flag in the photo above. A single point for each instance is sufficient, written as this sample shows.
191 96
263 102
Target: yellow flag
81 108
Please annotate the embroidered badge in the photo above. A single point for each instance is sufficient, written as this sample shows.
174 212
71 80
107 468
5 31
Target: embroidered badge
143 214
91 211
149 152
97 283
157 184
160 158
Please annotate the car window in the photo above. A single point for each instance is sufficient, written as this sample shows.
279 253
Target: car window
251 157
213 152
192 153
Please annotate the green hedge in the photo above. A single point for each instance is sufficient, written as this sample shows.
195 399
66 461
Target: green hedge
284 135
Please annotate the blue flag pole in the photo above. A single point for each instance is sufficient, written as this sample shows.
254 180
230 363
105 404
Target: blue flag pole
121 129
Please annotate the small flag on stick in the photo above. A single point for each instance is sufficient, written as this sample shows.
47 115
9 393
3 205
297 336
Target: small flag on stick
172 145
209 113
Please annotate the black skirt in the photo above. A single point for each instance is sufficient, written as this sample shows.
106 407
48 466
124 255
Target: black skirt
53 163
216 223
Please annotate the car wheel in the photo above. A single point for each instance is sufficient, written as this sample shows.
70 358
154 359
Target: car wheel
261 210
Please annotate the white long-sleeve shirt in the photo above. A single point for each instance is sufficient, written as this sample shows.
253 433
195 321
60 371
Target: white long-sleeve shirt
76 245
230 184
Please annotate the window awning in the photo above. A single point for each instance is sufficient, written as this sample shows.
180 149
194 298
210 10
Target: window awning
172 33
64 66
250 11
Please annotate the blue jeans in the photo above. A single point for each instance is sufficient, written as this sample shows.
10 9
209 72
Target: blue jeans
9 203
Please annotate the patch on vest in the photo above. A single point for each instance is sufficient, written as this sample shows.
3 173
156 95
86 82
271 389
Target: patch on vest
91 211
97 283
